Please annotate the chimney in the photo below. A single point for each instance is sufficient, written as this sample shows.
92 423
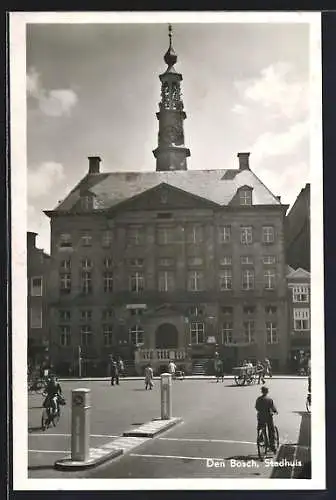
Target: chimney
94 164
278 198
31 240
244 161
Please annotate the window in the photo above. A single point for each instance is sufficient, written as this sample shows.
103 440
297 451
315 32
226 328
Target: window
136 312
137 262
64 315
86 335
86 282
65 240
166 262
107 314
246 235
36 286
107 238
86 264
108 335
194 234
195 261
246 259
301 319
65 264
86 315
195 281
225 279
269 279
248 279
108 282
245 197
268 234
36 317
166 281
137 282
224 234
249 331
227 310
300 294
135 236
65 283
108 262
196 332
226 332
87 202
136 334
195 311
226 260
165 235
271 332
269 259
270 309
65 336
86 239
249 309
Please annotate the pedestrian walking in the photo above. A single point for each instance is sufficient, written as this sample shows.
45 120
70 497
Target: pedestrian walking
114 373
219 368
268 367
260 372
121 366
149 377
172 368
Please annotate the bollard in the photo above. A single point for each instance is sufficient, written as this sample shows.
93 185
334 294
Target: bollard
80 425
166 396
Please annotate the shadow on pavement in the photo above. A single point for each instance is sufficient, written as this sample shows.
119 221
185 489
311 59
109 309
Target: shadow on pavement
35 407
34 429
40 467
139 390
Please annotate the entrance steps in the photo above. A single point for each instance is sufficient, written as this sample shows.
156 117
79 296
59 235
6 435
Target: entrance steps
199 367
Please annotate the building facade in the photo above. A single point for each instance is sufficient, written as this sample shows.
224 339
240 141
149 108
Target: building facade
299 316
168 264
298 231
37 317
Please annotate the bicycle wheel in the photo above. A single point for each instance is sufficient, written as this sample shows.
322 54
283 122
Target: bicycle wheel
240 380
44 419
276 437
308 403
262 443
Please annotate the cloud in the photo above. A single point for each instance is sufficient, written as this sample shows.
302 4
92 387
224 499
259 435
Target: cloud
56 102
44 178
281 143
239 109
278 89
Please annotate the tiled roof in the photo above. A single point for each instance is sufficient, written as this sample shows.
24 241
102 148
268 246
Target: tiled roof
217 186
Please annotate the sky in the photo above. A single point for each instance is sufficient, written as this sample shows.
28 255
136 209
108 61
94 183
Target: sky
94 89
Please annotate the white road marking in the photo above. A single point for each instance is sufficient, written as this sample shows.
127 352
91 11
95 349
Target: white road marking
200 440
68 435
175 456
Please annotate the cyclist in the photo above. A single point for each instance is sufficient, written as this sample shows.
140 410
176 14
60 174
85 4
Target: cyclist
53 391
265 409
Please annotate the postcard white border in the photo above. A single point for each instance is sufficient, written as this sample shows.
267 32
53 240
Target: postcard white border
17 72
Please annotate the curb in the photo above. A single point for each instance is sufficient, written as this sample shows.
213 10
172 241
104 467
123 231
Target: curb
153 428
97 457
191 377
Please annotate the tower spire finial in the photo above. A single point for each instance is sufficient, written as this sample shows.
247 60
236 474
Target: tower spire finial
170 57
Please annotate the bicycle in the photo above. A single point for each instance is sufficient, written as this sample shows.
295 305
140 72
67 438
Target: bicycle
263 443
308 402
49 416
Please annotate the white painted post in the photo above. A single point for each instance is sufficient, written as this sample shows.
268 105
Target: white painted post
166 396
80 425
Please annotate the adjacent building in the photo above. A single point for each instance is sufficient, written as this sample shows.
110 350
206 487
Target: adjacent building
298 231
168 264
298 316
37 317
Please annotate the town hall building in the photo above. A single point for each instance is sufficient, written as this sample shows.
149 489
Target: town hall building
168 263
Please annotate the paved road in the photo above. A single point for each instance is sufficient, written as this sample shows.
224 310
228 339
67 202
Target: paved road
218 423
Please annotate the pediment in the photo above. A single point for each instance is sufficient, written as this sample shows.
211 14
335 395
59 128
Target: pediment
164 197
299 274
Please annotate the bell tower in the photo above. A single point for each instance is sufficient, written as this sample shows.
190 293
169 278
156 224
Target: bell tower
171 153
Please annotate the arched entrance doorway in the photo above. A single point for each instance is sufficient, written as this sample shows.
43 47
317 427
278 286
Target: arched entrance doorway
166 336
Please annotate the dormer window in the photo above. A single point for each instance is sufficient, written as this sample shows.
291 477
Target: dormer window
245 197
87 202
